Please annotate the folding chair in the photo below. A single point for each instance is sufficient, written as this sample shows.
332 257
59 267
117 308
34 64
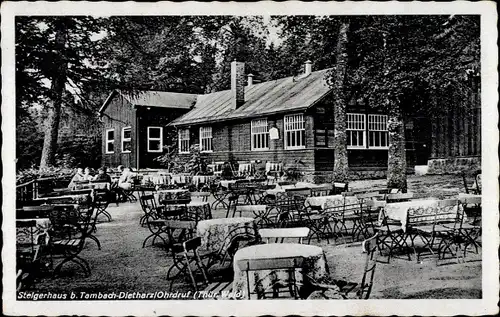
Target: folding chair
67 237
471 187
353 290
390 234
183 259
291 265
472 229
219 194
260 214
177 232
220 263
154 219
461 233
101 203
27 252
288 211
232 202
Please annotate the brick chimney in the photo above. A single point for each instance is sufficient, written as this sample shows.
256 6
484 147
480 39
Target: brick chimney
250 80
308 68
238 84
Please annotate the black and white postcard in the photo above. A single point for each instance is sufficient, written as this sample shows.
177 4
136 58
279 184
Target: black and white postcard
255 158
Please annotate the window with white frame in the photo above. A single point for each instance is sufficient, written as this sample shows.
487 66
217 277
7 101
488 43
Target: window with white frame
126 139
110 141
295 131
155 139
356 130
205 139
367 131
378 136
184 141
260 134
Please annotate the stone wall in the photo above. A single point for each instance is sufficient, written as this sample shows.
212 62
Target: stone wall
454 165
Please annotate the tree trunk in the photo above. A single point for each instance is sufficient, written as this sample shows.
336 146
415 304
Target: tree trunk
396 162
51 127
340 163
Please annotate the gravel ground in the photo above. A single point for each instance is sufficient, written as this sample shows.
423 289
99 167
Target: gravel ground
123 265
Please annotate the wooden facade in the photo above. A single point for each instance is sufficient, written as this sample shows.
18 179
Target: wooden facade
231 142
456 130
119 113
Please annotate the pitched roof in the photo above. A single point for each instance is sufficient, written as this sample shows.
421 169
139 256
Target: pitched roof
151 98
277 96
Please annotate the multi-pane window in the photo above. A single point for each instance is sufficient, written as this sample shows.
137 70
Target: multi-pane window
110 141
184 141
260 134
378 136
295 132
363 135
356 130
155 139
206 139
126 140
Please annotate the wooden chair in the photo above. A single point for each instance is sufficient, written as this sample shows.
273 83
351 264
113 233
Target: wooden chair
220 263
177 232
154 219
183 259
67 237
284 233
353 290
260 214
291 265
462 234
391 235
288 211
318 222
101 202
430 226
28 253
472 186
369 216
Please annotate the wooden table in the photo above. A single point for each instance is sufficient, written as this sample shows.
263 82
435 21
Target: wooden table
216 233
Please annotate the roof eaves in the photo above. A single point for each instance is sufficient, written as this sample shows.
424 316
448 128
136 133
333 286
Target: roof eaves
241 116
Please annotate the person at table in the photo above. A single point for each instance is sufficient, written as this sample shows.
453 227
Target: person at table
78 177
87 175
102 176
227 173
125 180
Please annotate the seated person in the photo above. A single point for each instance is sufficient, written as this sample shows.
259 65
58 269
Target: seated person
78 177
87 176
102 176
125 180
227 173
